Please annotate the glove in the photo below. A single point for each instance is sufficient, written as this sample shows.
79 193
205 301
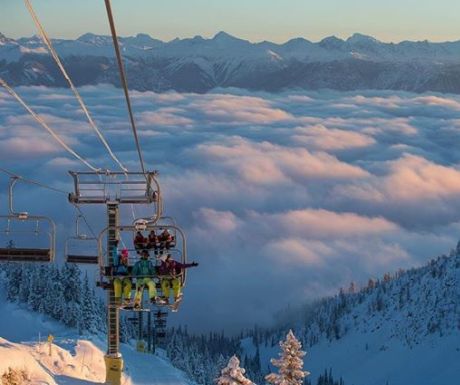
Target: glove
194 263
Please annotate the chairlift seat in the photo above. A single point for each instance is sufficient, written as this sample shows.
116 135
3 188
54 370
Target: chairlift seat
83 259
25 255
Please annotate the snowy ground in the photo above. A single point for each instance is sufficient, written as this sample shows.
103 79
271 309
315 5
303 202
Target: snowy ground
73 361
372 359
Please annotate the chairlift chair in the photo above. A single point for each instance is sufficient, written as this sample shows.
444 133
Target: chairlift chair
27 254
179 252
78 256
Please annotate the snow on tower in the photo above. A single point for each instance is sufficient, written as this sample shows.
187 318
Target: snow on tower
290 363
232 374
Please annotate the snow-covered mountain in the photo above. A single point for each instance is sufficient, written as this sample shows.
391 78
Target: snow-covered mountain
403 329
199 65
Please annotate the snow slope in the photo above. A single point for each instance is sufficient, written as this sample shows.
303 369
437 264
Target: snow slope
402 330
374 359
73 361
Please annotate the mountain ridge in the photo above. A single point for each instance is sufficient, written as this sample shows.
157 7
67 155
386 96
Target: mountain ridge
200 64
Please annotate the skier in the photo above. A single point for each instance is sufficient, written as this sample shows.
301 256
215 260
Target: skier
153 241
122 283
169 271
166 240
143 271
140 242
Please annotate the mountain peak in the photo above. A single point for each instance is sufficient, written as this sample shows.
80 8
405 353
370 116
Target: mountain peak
224 36
332 42
360 39
92 38
4 39
143 36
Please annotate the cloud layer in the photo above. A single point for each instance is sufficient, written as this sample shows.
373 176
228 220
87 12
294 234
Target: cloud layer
283 197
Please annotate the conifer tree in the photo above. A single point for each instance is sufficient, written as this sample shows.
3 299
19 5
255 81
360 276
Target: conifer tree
290 363
232 374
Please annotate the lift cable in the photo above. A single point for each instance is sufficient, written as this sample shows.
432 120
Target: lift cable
45 125
39 184
47 41
30 181
124 82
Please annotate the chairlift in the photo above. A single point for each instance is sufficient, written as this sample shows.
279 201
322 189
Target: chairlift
43 226
76 247
179 253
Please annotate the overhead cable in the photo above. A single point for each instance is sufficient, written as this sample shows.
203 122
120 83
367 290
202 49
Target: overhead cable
30 181
124 82
45 125
39 184
47 41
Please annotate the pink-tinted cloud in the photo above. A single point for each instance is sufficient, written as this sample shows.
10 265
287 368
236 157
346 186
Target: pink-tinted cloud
410 179
296 251
432 100
26 148
221 221
230 108
329 139
266 163
311 223
164 117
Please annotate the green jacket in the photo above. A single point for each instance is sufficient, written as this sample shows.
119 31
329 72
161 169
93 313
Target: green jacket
143 267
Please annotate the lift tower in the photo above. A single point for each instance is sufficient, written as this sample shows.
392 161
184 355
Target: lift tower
113 189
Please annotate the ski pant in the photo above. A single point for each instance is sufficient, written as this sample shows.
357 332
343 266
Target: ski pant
166 284
140 283
124 284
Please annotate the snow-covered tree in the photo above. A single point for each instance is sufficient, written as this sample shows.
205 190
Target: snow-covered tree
290 363
232 374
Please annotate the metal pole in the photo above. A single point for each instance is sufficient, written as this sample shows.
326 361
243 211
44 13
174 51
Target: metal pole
113 359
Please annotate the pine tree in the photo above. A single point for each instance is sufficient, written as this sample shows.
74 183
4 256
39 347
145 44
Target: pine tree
232 374
89 315
290 363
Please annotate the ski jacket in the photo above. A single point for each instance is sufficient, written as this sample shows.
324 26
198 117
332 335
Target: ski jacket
165 236
153 240
173 268
144 267
119 268
140 241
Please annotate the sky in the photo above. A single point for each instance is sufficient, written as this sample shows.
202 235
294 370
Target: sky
254 20
284 198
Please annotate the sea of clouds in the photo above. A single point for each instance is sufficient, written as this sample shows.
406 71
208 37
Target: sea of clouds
284 197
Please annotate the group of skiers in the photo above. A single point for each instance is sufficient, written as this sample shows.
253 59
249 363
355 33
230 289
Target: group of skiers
167 270
159 242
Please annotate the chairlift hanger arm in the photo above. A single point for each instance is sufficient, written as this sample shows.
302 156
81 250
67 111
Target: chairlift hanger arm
12 183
